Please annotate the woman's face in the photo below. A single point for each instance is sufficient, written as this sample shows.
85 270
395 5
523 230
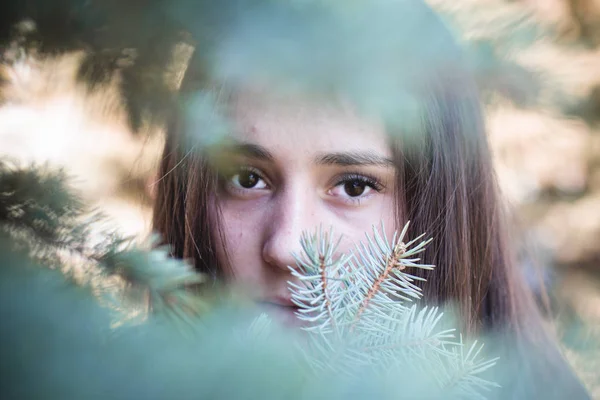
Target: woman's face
291 166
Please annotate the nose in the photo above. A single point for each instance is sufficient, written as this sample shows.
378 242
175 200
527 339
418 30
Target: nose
292 214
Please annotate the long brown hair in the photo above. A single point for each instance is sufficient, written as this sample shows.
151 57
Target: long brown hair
446 188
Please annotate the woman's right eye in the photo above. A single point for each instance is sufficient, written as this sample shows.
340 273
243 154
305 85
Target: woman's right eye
245 178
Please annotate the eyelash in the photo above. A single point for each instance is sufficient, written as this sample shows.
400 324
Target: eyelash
369 181
231 172
366 179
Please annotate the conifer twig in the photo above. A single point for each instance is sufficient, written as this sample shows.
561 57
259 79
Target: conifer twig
362 297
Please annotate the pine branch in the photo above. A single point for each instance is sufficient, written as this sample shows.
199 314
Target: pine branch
47 220
164 280
324 282
394 261
34 202
462 379
361 298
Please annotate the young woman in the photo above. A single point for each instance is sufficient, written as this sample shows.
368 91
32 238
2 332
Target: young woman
346 119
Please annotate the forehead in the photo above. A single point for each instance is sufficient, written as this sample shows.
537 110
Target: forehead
298 125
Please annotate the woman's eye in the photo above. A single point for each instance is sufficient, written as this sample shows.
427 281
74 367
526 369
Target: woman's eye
355 187
247 179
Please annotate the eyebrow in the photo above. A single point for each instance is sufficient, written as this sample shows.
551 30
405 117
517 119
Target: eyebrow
353 159
251 150
344 159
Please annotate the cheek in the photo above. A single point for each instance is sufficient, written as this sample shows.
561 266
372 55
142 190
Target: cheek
389 217
354 226
242 230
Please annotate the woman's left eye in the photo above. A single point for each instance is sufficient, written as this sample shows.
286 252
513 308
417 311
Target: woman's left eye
355 187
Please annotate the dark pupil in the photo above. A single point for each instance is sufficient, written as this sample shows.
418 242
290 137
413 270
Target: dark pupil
248 179
354 188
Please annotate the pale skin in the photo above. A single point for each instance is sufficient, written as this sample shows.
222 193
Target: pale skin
293 165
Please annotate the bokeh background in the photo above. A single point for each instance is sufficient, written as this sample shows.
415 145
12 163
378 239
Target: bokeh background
83 90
